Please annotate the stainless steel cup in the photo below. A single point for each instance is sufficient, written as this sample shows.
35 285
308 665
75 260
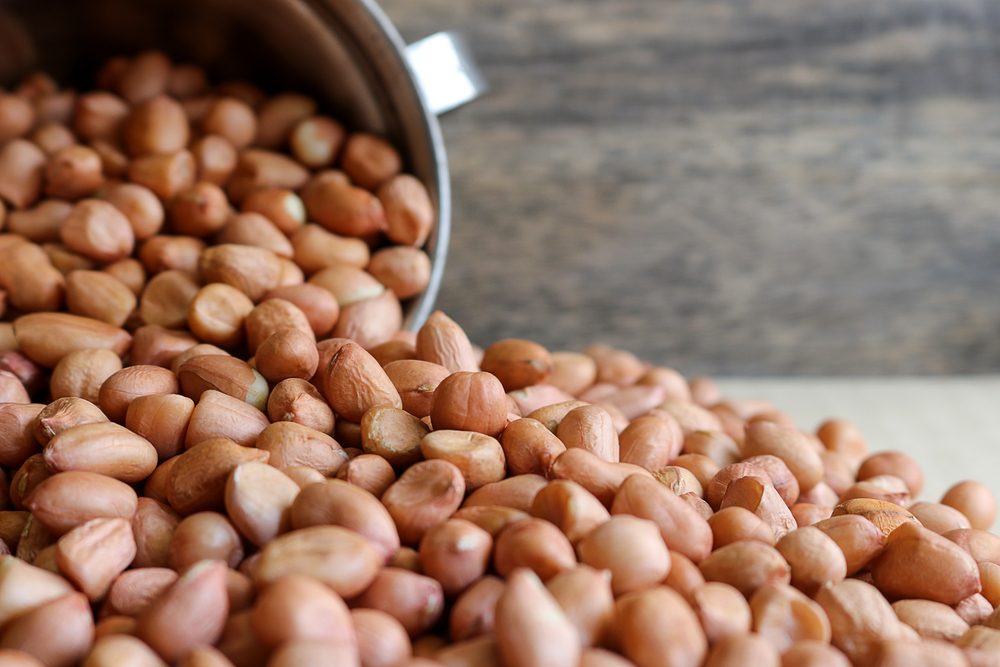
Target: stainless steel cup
345 52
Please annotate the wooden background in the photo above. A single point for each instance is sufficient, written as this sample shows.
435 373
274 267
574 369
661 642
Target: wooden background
730 186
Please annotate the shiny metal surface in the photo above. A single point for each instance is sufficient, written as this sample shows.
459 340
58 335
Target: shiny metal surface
446 71
345 52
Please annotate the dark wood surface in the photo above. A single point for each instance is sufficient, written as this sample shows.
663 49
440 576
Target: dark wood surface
730 186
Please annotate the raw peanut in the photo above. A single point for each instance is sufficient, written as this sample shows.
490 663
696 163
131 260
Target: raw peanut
885 515
215 158
253 271
311 653
342 559
167 298
316 249
303 475
99 296
204 536
631 549
702 467
382 640
939 517
157 126
722 611
98 230
32 282
396 436
679 480
601 478
189 614
102 447
154 345
16 116
282 207
840 436
858 538
94 554
153 526
746 565
156 484
570 508
416 382
287 353
197 479
239 643
272 316
759 496
616 366
479 457
256 169
535 544
231 119
11 526
258 501
278 115
368 471
529 447
859 618
974 501
406 271
656 627
551 415
651 441
72 172
981 545
573 372
491 518
143 210
409 213
98 115
371 321
768 467
163 253
254 230
456 553
587 601
784 616
425 495
416 601
133 591
240 590
743 650
472 614
590 428
515 492
931 620
58 633
354 383
369 160
807 514
24 587
894 463
980 637
291 444
166 175
27 372
22 169
46 338
539 396
299 607
882 487
442 341
813 653
217 415
225 374
162 419
921 564
680 527
23 482
517 363
598 657
144 77
16 433
124 386
70 499
34 545
121 649
531 629
989 575
814 557
201 210
929 652
297 401
216 313
317 304
338 503
790 446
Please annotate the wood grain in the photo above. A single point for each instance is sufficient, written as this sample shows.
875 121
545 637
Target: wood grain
730 186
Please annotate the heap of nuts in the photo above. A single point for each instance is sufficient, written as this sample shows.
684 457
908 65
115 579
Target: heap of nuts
158 201
209 468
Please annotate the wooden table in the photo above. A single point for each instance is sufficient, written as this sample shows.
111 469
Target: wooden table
735 186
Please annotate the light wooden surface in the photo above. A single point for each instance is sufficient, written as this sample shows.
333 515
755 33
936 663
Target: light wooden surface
734 186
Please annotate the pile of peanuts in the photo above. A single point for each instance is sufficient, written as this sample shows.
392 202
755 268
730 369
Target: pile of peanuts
210 461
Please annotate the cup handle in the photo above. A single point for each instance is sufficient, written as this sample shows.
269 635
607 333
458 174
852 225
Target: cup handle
446 71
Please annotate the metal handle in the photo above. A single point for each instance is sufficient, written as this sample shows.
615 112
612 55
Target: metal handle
446 71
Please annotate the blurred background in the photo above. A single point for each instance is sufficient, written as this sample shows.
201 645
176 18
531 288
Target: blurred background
737 187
